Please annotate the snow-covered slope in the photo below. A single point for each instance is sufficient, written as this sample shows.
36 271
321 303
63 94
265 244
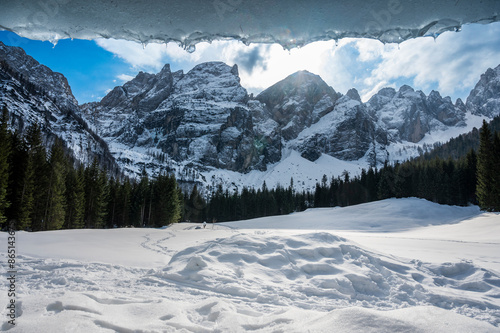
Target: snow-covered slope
203 126
394 265
33 93
484 99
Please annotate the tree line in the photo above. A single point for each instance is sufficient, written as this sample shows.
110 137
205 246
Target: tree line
472 176
48 190
42 190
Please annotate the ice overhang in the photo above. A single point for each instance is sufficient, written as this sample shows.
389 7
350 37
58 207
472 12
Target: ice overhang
289 23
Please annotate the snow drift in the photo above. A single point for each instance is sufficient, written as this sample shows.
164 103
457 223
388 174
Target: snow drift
239 277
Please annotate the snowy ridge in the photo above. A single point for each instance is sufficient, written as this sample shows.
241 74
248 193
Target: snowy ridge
33 94
206 129
484 99
347 267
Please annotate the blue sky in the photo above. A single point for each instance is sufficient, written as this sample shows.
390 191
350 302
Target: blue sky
451 63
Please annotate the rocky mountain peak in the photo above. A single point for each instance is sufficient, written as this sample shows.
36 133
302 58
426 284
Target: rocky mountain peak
435 95
459 104
301 84
410 114
143 93
53 83
212 80
484 99
33 93
298 101
381 98
165 69
353 94
387 92
407 92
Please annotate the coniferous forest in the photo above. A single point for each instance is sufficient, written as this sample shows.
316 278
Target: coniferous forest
469 174
44 190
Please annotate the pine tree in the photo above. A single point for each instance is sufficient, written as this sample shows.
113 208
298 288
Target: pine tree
386 182
38 158
5 150
166 201
195 206
470 177
141 198
55 202
21 184
75 198
123 204
485 169
96 196
496 173
111 208
371 184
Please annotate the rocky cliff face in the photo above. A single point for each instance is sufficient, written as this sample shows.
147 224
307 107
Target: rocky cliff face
345 133
297 102
200 117
408 114
484 99
34 94
204 119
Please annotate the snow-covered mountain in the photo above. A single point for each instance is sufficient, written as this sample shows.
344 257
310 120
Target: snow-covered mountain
203 124
205 127
202 117
484 99
33 93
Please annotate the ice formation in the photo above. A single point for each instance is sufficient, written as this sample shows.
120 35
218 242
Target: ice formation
289 23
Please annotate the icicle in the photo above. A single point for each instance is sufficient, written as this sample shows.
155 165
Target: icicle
54 40
190 48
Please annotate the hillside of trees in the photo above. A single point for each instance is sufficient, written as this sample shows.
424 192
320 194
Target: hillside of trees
463 171
42 190
459 147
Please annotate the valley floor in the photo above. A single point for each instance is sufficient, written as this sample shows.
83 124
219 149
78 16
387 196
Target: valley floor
398 265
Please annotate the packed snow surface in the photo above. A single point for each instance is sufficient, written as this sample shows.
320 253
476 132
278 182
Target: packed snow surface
397 265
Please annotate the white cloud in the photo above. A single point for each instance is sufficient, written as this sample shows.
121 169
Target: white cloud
451 64
124 77
150 56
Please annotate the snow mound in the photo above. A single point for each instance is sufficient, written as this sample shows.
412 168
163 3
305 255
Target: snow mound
388 215
418 319
273 279
329 272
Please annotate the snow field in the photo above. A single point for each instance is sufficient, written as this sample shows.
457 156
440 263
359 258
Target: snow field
266 275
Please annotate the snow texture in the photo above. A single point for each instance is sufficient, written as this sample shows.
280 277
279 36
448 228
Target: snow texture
389 266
